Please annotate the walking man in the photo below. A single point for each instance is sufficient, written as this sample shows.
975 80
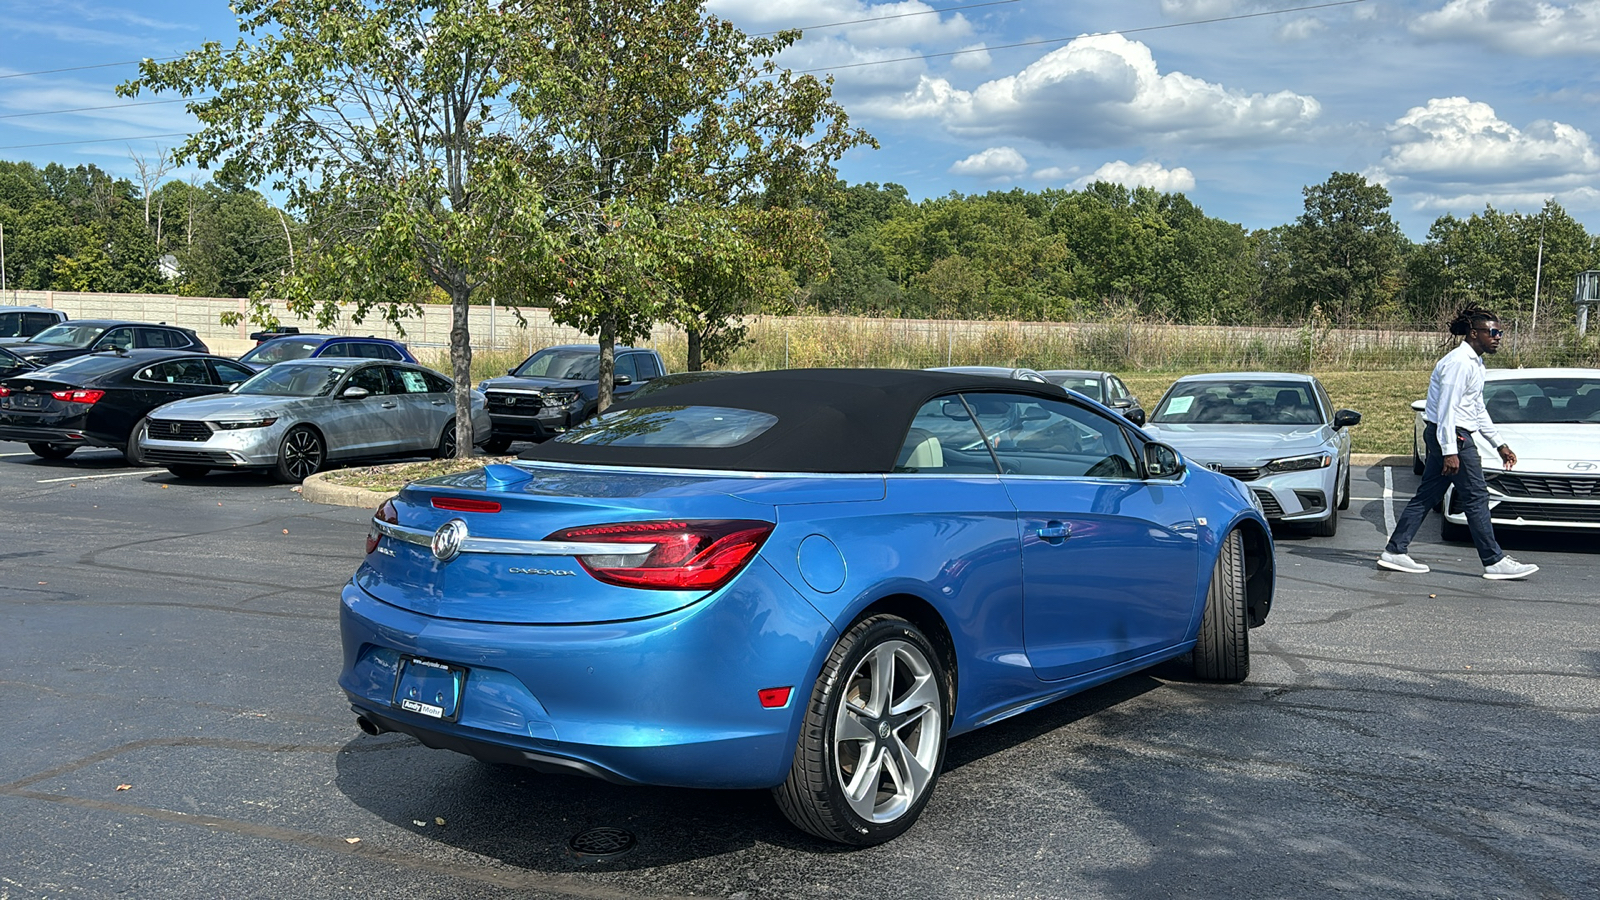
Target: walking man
1454 413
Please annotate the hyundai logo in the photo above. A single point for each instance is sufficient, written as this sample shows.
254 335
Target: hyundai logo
1581 466
448 539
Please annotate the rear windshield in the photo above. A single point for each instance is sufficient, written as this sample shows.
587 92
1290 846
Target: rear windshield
280 350
672 426
85 366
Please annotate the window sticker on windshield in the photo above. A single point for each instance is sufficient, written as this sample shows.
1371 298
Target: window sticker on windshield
337 371
1179 405
414 382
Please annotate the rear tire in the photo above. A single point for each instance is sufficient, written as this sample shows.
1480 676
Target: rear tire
873 739
1222 652
134 455
300 456
188 471
52 451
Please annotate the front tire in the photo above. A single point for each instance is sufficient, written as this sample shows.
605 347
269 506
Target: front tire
52 451
447 442
1222 652
1344 497
873 739
300 456
135 456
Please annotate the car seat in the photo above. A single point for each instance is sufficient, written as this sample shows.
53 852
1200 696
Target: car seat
1539 409
921 452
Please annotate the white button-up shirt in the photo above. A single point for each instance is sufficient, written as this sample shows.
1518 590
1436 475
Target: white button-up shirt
1455 398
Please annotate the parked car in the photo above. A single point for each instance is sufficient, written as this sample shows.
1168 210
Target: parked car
558 387
100 400
318 346
1103 387
1551 418
81 336
297 417
677 378
261 337
18 323
1276 431
12 364
670 594
1017 374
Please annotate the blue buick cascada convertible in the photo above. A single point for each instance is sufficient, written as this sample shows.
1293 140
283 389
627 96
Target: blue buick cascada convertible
806 581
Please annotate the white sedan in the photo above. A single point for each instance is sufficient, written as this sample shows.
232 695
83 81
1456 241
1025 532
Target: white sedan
1551 419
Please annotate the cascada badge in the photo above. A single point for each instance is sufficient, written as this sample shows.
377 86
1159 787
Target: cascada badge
448 539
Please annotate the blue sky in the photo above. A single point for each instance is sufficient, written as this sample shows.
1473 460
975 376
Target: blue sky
1450 103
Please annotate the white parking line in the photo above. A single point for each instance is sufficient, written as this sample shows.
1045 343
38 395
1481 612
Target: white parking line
87 477
1388 498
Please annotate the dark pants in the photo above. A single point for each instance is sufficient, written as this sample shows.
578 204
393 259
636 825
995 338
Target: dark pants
1470 486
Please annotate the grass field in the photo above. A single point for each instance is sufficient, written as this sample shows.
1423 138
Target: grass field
1382 398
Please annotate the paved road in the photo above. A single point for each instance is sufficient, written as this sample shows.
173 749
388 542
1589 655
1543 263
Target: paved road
168 653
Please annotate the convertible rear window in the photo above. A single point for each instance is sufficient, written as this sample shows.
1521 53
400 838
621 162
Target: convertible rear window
672 426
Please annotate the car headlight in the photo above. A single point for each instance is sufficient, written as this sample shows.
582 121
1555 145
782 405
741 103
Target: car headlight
236 424
1300 463
558 399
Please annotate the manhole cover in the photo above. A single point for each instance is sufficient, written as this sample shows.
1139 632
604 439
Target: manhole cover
601 843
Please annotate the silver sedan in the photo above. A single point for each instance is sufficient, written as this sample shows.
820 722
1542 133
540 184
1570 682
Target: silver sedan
297 417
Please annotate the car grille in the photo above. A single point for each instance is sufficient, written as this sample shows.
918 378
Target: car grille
1517 484
164 456
506 400
1243 473
171 430
1579 513
1269 504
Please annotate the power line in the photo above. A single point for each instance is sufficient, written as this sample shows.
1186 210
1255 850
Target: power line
126 62
59 112
926 12
139 137
1235 18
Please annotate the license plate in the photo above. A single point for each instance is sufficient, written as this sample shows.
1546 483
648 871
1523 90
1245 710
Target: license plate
28 401
429 688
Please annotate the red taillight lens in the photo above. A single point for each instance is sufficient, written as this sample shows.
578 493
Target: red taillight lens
687 555
385 513
457 504
78 395
4 391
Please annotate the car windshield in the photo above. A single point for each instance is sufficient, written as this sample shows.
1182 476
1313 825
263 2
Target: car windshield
69 335
280 350
1086 385
671 426
579 365
1543 400
1239 402
294 381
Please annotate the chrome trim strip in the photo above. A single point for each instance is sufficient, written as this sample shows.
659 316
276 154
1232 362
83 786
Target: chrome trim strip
507 546
718 473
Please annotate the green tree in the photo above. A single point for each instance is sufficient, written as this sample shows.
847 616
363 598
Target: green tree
659 123
389 129
1346 250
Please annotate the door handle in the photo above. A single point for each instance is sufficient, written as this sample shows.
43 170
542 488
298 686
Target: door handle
1055 531
440 402
388 404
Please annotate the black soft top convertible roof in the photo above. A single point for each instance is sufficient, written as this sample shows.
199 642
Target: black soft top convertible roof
829 420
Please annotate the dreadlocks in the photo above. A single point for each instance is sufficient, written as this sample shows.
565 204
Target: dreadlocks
1469 318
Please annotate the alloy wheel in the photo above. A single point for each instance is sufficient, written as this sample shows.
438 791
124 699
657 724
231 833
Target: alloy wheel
302 454
887 737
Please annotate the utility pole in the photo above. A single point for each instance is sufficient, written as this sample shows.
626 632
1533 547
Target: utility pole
1538 269
2 258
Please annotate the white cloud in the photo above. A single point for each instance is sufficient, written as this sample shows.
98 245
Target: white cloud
1145 174
1456 153
1300 29
1524 27
991 163
972 59
1104 90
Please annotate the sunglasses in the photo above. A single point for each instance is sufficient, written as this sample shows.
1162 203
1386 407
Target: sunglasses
1492 332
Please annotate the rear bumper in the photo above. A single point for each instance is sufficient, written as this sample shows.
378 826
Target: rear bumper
669 700
26 435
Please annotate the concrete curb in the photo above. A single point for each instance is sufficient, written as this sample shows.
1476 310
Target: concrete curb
318 489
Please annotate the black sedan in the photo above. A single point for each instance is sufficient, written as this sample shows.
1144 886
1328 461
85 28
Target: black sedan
1102 386
100 400
82 336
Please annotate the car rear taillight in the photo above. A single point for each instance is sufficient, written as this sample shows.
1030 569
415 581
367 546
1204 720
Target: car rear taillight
385 513
78 395
4 391
701 555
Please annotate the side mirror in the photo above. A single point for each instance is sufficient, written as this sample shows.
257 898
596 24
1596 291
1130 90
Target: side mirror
511 371
621 380
354 393
1121 404
1136 416
1346 418
1162 462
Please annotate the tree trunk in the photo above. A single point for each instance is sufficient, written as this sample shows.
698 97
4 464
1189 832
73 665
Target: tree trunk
461 365
694 363
608 363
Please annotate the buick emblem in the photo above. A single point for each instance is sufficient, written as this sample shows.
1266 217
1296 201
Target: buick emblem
447 540
1582 466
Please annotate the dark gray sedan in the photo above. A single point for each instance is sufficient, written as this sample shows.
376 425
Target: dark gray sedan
1102 386
297 417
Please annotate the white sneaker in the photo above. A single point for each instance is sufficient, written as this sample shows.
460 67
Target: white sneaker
1508 568
1400 562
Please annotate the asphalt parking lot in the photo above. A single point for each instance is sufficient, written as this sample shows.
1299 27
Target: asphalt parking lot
169 649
